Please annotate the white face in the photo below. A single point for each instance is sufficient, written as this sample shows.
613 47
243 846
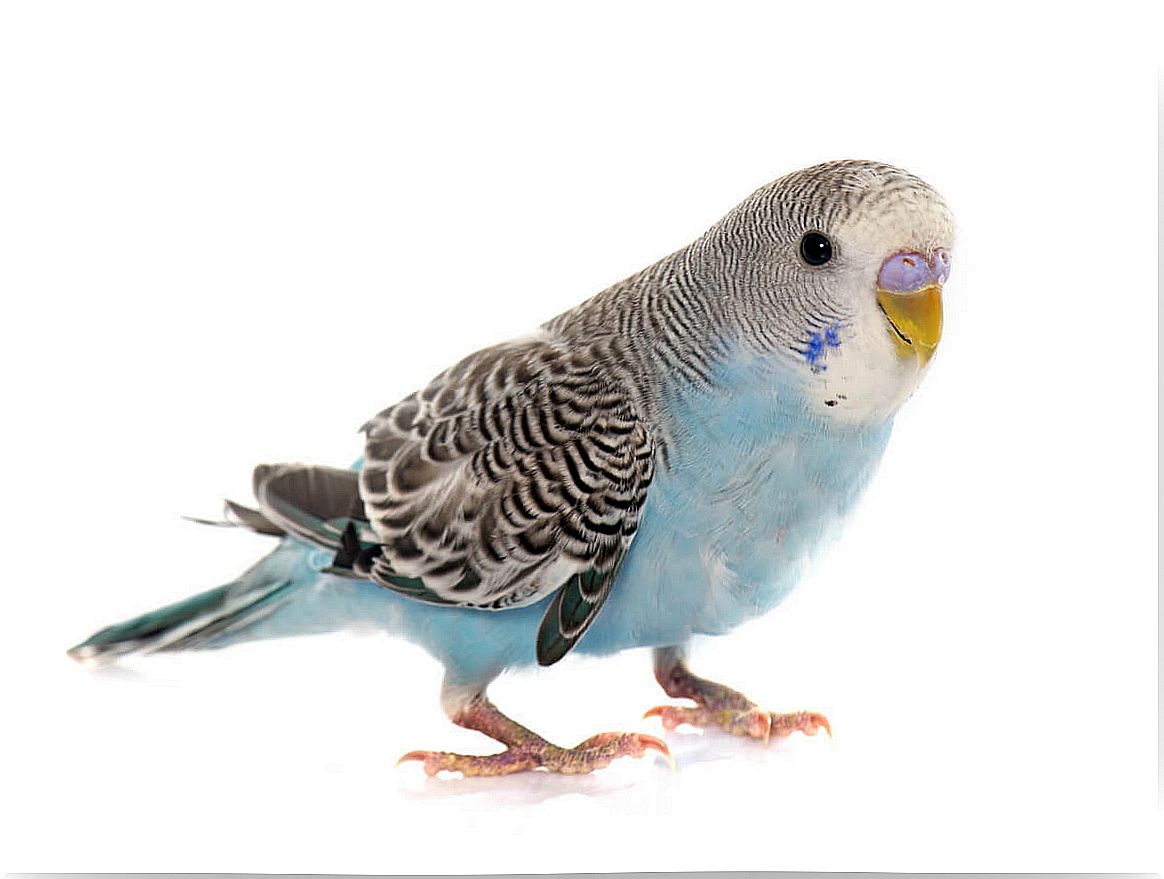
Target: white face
867 368
865 381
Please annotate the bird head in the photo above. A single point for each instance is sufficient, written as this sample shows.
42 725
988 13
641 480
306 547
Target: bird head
837 270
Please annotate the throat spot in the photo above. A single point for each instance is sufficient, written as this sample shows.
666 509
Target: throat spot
818 345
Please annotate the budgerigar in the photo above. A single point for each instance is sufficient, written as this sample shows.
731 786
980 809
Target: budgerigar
658 462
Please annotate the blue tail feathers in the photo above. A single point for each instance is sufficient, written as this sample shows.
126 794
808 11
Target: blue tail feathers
192 622
311 507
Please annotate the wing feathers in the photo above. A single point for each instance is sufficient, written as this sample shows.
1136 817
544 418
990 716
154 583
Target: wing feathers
520 472
570 614
525 464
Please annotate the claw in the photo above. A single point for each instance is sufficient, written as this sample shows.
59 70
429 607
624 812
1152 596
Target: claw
425 757
669 714
819 721
653 744
657 711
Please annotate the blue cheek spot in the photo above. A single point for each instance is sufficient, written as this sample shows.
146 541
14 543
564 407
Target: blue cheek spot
814 353
819 343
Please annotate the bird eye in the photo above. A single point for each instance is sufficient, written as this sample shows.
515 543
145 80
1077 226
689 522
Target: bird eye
816 249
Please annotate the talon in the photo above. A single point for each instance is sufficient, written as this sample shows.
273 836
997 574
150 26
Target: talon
810 723
819 721
663 712
671 715
651 743
429 759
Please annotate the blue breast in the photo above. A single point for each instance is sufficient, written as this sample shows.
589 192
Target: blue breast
757 481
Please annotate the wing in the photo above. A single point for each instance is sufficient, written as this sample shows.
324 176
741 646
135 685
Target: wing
519 472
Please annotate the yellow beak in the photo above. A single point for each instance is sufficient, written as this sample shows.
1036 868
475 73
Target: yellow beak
915 320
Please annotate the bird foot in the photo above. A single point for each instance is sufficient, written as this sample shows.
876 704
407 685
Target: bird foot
594 753
750 722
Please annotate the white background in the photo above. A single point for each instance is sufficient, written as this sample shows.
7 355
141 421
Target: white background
231 232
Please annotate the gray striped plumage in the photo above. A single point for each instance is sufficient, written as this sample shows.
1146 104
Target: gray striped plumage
522 465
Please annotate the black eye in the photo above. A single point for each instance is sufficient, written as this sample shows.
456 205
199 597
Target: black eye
816 249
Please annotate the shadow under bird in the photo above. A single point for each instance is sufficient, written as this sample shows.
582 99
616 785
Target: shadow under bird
659 462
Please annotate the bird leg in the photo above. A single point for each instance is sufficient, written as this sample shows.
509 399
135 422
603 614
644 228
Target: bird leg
722 707
526 750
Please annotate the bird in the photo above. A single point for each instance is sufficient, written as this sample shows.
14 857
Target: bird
657 463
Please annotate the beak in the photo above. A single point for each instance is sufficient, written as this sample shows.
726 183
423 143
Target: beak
909 292
915 320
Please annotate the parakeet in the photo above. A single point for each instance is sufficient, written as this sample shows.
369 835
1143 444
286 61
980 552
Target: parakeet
658 462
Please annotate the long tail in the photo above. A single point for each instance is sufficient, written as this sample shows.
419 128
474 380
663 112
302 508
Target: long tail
192 622
310 504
